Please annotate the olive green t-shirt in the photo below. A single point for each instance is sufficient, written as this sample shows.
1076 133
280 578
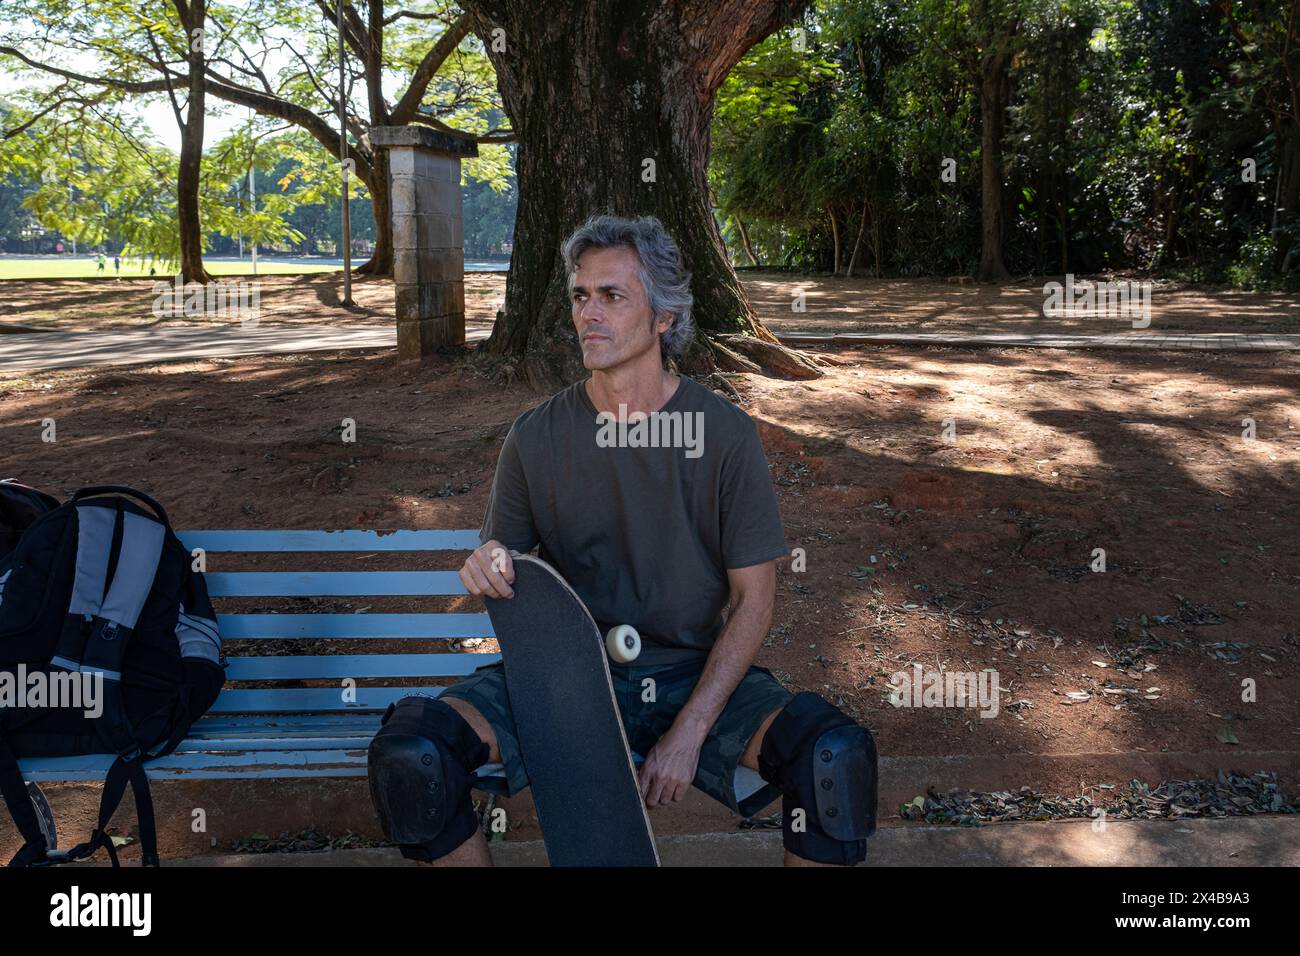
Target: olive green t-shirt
643 521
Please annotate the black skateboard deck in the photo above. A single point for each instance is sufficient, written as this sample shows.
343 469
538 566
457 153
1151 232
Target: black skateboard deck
571 736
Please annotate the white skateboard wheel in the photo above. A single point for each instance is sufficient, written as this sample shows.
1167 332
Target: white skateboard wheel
623 643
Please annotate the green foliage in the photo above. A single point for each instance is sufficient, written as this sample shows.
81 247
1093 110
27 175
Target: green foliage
290 51
98 182
1126 128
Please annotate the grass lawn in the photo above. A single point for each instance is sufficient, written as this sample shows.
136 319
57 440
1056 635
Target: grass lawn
83 267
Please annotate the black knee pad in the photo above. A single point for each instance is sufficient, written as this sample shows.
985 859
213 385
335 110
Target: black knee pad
825 767
421 765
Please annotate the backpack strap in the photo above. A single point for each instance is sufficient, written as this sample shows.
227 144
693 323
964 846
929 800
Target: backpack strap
92 490
122 772
14 789
36 851
118 552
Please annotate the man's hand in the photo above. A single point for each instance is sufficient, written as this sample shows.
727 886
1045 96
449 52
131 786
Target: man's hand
670 765
489 571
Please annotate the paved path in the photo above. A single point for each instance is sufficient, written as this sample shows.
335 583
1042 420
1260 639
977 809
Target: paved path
1272 840
48 350
1214 341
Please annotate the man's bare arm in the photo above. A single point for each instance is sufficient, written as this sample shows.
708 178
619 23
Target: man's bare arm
670 766
753 594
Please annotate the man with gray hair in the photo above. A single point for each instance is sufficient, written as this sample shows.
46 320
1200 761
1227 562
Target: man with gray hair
662 527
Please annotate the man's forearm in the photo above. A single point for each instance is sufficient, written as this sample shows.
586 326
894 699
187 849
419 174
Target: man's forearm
728 662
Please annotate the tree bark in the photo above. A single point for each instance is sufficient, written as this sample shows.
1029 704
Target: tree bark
380 262
993 93
835 241
878 240
612 104
1286 211
193 17
857 242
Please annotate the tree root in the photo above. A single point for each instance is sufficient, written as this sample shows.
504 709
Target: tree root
772 359
719 382
730 361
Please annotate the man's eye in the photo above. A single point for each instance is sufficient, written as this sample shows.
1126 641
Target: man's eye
615 295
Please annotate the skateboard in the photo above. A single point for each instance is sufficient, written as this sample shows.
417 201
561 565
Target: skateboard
571 735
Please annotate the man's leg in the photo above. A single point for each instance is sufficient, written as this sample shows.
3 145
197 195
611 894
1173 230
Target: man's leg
474 851
423 763
825 766
750 759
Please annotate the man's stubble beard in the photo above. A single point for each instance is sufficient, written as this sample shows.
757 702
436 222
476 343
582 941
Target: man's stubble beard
626 359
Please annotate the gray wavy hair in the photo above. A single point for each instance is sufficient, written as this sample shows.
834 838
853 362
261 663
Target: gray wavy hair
667 283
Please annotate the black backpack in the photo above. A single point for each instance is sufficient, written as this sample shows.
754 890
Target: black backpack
99 593
20 506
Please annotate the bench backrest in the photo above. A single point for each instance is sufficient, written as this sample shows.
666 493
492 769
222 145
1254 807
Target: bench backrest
333 626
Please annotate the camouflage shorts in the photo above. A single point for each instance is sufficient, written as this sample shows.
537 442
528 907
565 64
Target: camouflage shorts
757 696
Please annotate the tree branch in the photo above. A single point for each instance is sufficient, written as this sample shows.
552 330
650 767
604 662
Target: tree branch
407 106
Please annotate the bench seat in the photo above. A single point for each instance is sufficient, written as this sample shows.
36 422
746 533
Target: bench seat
308 731
316 731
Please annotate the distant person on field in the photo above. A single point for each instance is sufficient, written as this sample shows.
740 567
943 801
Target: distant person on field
117 266
99 259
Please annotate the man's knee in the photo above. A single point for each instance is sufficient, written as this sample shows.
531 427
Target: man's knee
474 717
825 766
421 765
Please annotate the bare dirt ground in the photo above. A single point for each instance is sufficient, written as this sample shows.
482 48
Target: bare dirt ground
925 305
832 304
962 555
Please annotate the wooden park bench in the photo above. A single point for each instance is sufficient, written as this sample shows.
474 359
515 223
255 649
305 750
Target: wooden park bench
315 731
309 731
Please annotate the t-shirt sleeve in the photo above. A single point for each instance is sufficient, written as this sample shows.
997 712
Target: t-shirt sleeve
509 517
751 520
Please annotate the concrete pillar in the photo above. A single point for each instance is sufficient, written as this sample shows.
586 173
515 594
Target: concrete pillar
428 235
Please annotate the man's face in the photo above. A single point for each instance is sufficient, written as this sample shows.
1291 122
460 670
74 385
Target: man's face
610 310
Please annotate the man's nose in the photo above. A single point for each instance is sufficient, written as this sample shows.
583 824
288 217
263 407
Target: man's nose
590 311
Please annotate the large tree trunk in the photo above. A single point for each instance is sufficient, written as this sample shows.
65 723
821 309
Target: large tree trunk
612 104
1286 211
380 262
193 16
993 92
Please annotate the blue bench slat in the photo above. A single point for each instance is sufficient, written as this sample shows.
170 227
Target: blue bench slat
305 700
332 583
360 626
311 763
309 541
283 763
308 666
226 726
239 744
